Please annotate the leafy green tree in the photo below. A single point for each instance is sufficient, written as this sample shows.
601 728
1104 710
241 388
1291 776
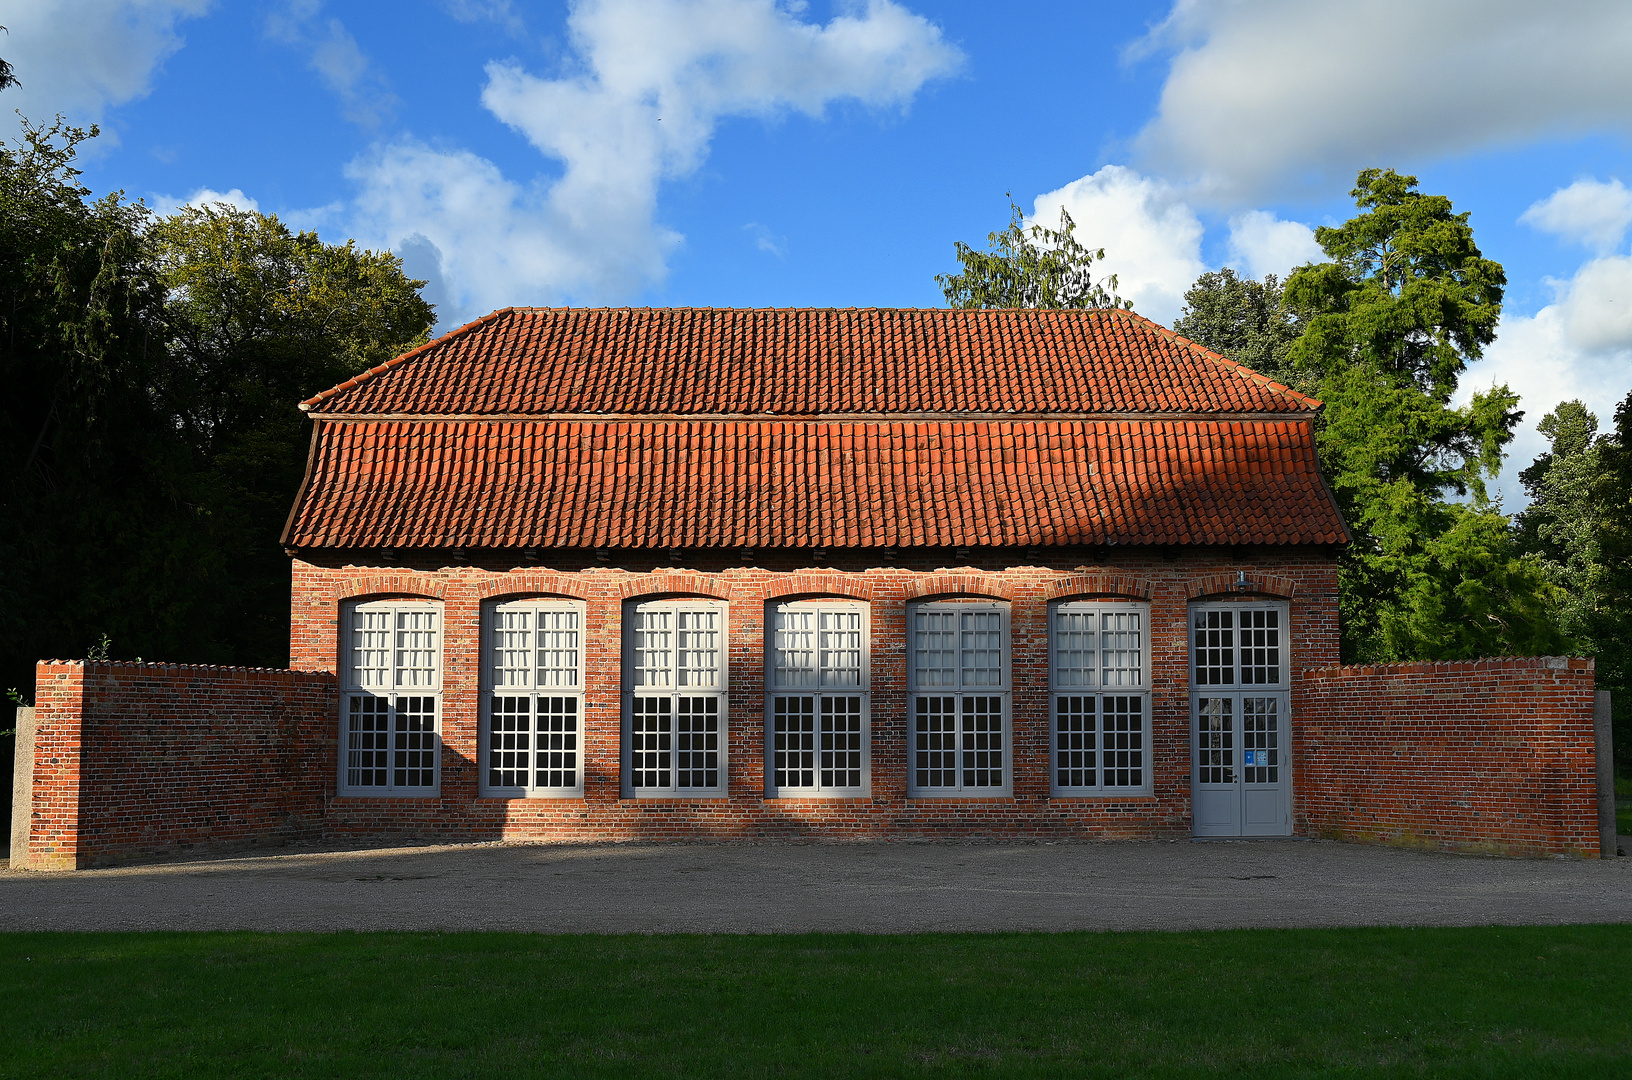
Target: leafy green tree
257 318
150 437
1612 626
1030 267
1560 529
7 76
99 534
1389 326
1244 320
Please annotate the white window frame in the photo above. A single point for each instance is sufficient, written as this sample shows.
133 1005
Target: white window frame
827 687
394 696
673 692
1236 689
962 692
1133 688
1284 681
561 697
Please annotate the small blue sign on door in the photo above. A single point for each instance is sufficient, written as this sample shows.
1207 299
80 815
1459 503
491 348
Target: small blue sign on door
1251 757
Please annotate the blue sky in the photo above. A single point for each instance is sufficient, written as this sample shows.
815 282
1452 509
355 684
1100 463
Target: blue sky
750 152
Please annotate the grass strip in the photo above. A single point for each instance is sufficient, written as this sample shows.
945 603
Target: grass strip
1486 1002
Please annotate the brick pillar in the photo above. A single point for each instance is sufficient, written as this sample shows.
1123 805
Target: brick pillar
59 711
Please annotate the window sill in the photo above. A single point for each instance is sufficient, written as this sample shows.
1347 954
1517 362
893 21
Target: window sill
531 796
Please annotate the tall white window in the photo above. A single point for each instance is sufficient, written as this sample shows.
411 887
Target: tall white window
531 743
391 696
1099 682
958 686
818 739
675 674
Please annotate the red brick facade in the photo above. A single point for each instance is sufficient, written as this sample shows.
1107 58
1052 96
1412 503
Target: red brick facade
1305 577
1492 755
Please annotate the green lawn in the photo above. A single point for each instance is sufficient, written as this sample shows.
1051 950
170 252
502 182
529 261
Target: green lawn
1534 1002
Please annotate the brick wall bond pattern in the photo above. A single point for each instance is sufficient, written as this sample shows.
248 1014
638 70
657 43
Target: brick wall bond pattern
1488 755
140 760
1029 580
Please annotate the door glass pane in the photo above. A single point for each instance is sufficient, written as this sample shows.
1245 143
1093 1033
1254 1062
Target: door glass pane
1214 647
1260 647
1215 740
1261 739
1073 649
1075 729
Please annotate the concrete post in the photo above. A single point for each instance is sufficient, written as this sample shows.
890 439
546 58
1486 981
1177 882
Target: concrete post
1603 730
22 790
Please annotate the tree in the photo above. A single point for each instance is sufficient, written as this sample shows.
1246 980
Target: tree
257 318
1035 267
1560 529
150 437
1612 626
7 77
1389 326
1244 320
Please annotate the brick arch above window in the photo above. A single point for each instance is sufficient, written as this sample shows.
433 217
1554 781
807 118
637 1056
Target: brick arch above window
537 583
423 586
810 584
675 584
1125 585
1239 582
965 584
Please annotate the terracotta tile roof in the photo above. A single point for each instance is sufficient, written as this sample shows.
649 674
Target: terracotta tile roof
807 362
701 483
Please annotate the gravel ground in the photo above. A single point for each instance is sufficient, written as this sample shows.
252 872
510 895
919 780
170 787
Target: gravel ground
870 888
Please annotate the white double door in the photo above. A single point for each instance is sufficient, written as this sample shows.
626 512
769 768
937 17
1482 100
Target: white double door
1240 780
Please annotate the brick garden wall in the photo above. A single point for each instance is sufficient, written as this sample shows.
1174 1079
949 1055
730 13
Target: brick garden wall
1027 579
141 760
1488 755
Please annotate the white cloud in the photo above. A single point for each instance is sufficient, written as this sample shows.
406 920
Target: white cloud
1292 96
653 78
1587 212
1151 237
78 57
1261 244
169 204
1579 346
365 96
501 12
765 240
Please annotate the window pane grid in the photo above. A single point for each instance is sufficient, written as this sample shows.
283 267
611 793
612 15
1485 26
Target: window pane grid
1215 648
1260 647
1121 650
1123 739
1260 739
959 737
1215 740
935 741
1075 739
676 738
413 744
982 742
1074 655
416 649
